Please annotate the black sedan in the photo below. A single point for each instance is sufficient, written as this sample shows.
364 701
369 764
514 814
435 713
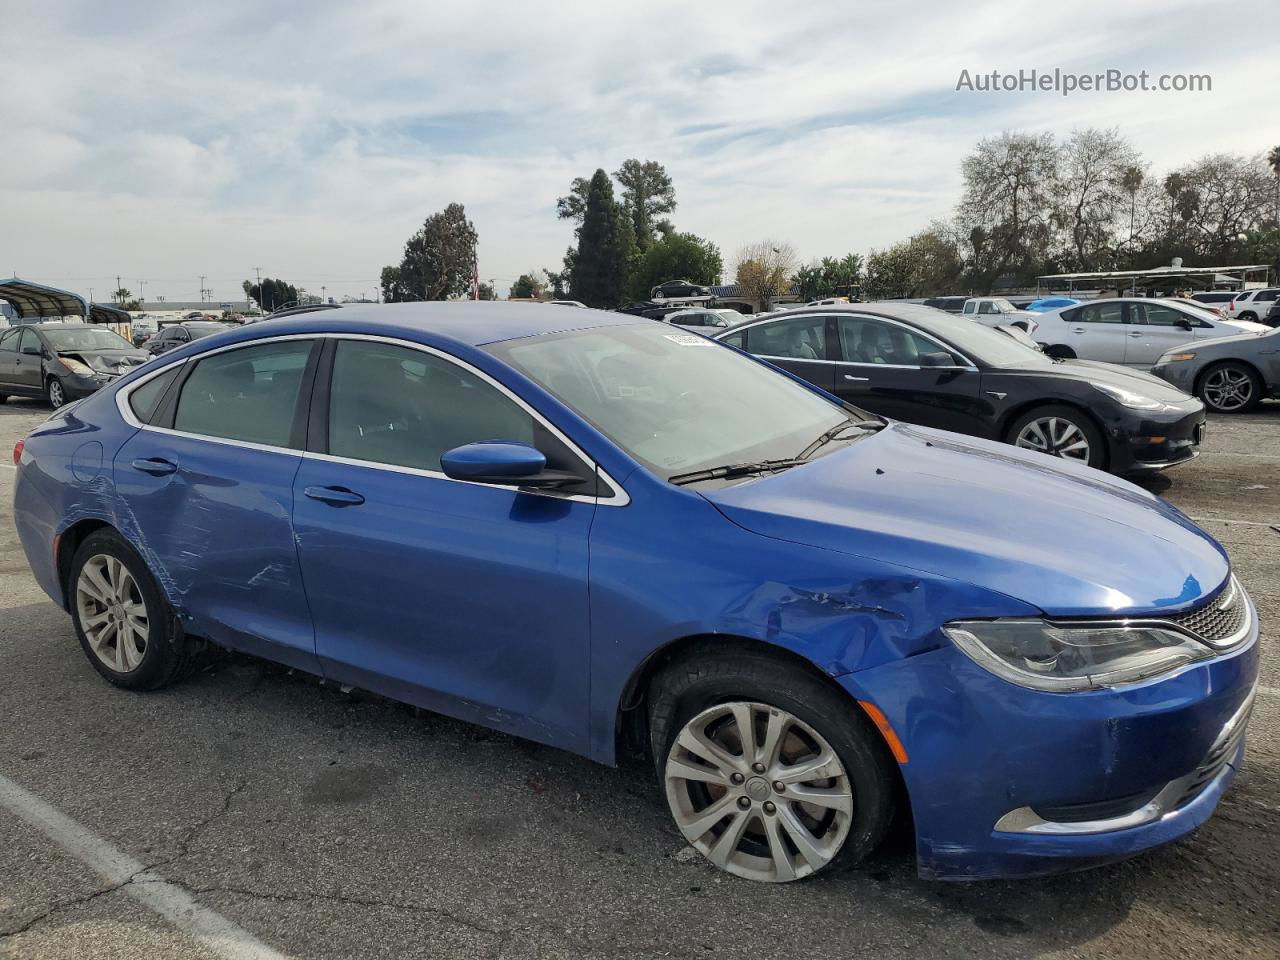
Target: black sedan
1230 374
62 361
917 364
678 288
176 334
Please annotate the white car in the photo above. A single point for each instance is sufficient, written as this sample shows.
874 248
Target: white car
1252 305
704 321
1134 331
999 312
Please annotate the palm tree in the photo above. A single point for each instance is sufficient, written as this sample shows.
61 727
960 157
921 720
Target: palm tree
1131 181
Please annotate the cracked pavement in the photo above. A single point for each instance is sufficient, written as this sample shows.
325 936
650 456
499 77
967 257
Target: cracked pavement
341 825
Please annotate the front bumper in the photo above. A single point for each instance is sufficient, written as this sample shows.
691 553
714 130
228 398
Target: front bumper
1133 767
76 387
1142 442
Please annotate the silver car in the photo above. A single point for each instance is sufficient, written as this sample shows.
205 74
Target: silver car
704 320
1230 374
1135 331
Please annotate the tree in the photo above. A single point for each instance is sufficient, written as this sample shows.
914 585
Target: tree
272 294
486 291
1230 194
121 296
573 205
527 286
599 264
829 277
559 282
891 273
675 256
763 269
1092 167
1131 182
438 260
646 193
1273 161
1008 204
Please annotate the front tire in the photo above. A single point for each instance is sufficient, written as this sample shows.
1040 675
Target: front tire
1230 387
125 626
1060 431
768 772
54 393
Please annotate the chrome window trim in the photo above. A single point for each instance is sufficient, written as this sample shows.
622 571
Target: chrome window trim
617 497
769 356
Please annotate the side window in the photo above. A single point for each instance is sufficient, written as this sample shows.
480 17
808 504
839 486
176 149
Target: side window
1158 315
180 334
399 406
736 339
865 340
29 344
1267 296
970 307
688 320
1100 313
144 400
10 341
248 394
801 338
987 308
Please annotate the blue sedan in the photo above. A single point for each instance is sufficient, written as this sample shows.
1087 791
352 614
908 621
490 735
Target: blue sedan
610 535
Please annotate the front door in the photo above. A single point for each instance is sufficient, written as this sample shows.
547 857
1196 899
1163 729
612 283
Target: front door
881 370
797 345
30 362
1156 329
465 598
208 487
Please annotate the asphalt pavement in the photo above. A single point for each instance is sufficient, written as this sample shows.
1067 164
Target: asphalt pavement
253 812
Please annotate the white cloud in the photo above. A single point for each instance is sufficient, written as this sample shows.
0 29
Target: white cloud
167 141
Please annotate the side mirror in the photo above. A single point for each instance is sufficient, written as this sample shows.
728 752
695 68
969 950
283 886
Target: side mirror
937 359
506 462
1184 324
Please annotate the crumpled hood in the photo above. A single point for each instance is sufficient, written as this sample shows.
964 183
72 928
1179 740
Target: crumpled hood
1068 539
109 361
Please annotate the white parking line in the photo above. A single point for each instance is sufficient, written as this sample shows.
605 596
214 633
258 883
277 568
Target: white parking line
121 871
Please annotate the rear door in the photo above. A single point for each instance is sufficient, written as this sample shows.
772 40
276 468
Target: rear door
798 345
29 373
208 486
1098 331
880 370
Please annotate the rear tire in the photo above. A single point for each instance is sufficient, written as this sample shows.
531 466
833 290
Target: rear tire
1230 387
799 727
1060 431
125 626
1250 316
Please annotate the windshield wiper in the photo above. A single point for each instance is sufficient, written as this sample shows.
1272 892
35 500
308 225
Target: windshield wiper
733 470
870 426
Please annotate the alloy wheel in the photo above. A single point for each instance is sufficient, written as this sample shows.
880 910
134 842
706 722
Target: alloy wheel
1055 436
758 792
56 397
1228 389
112 612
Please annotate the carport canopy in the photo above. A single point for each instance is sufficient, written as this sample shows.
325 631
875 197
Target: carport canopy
35 301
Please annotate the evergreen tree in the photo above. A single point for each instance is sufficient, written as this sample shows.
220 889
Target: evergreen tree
600 263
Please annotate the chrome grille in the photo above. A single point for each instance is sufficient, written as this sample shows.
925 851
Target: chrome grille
1221 621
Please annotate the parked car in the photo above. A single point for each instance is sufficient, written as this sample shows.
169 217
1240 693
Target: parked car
1252 305
568 303
1217 299
949 304
604 537
178 334
1050 303
62 361
1134 331
1230 374
1272 319
678 288
916 364
997 311
704 321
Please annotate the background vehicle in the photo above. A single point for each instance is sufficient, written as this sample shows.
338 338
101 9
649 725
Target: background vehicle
1050 303
62 361
995 311
949 304
1272 319
916 364
1134 331
568 303
704 321
1230 374
774 594
1218 299
177 334
1252 305
678 288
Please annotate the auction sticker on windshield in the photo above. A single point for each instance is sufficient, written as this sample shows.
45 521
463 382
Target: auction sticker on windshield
688 339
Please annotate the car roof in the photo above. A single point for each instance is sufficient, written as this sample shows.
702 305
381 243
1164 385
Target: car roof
471 323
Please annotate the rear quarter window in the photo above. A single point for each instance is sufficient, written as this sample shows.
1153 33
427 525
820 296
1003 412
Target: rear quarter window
145 400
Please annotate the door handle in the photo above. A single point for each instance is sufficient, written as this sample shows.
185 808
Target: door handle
849 376
155 466
337 496
1077 329
1136 333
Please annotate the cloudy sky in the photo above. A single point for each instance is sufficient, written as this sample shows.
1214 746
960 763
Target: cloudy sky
162 141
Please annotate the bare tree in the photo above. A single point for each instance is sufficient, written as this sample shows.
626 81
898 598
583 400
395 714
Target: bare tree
762 270
1092 170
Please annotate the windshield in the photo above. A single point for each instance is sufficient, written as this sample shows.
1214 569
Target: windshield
986 344
677 402
90 338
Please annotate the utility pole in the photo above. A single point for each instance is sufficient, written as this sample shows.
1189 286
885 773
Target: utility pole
323 288
141 296
203 277
118 287
257 272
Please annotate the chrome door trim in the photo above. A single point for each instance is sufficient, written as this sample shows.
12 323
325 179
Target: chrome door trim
617 496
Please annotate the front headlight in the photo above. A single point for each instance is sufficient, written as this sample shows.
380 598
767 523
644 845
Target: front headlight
1064 657
1130 399
76 367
